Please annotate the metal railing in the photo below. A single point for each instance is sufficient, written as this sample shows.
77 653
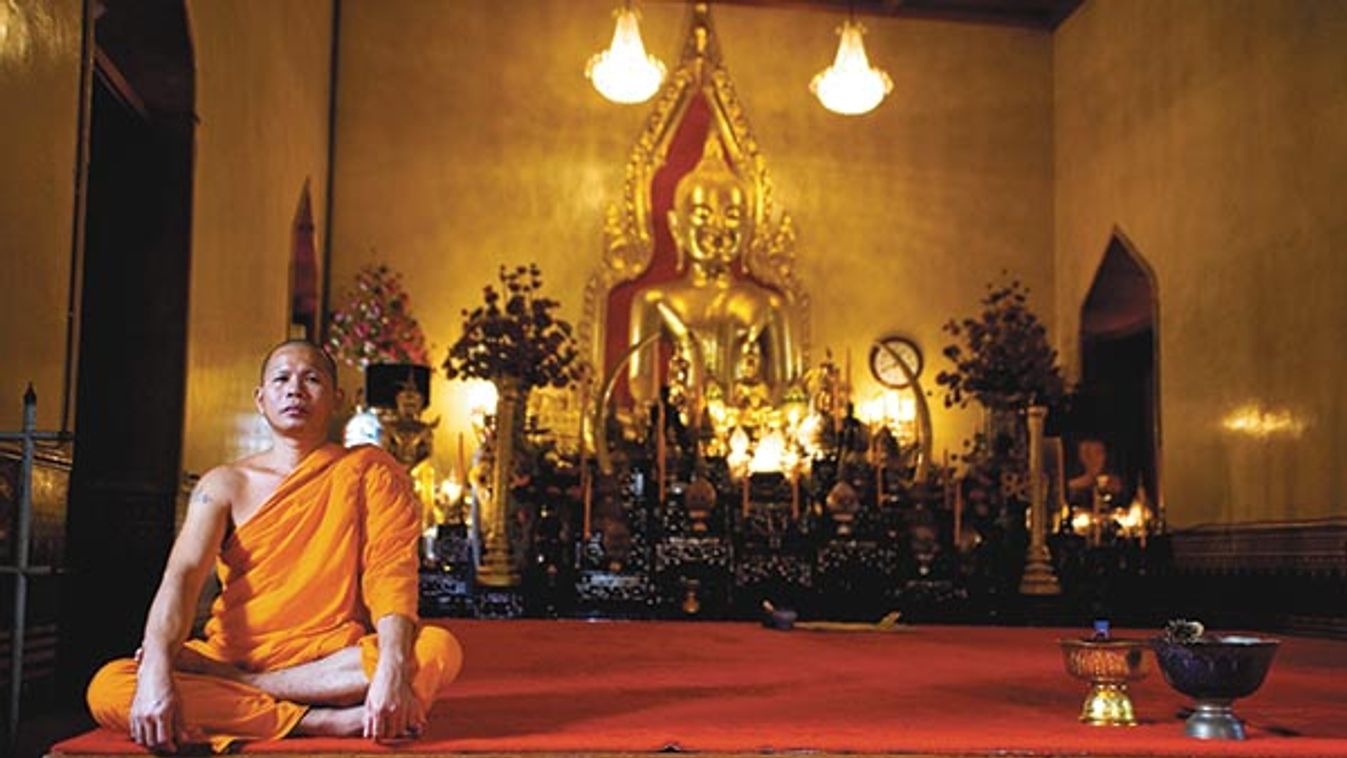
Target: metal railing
28 437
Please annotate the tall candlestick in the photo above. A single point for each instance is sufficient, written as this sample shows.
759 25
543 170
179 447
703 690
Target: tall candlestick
837 408
587 494
795 494
655 375
462 459
660 445
1144 519
1039 577
958 513
583 403
879 486
1097 511
848 373
946 476
745 504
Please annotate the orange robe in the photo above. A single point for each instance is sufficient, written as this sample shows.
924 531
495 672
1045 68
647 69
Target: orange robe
331 551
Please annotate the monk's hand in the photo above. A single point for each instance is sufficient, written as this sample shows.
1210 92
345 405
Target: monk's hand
156 721
392 711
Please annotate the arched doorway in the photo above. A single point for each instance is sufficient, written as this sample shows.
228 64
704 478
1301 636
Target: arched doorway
130 296
1118 398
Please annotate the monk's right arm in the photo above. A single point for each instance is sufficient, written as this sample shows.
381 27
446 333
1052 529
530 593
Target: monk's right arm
190 562
154 711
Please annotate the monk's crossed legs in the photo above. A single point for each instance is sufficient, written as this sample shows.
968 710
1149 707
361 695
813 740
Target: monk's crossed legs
222 704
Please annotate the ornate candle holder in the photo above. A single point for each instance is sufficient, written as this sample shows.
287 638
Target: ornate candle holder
1108 665
1215 670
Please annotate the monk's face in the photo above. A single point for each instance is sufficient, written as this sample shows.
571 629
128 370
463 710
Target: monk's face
297 395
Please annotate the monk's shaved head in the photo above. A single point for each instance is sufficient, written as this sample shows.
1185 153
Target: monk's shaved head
325 361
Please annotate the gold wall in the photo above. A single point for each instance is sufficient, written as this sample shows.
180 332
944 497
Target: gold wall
39 100
1213 135
262 99
468 137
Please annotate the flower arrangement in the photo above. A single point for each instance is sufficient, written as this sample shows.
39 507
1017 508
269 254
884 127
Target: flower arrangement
514 334
1004 361
374 324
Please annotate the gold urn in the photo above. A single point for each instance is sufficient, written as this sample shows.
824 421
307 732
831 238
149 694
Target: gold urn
1108 665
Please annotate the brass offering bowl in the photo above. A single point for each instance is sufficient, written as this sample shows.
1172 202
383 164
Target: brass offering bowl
1215 670
1108 665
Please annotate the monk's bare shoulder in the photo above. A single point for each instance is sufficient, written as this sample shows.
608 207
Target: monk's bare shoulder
218 487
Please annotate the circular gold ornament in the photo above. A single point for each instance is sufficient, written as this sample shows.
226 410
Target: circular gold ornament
885 355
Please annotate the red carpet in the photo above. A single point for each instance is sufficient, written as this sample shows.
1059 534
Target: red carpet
569 686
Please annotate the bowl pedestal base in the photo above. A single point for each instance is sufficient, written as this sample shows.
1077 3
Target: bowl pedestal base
1108 705
1214 719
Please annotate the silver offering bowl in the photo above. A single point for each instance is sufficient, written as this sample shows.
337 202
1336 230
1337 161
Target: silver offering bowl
1215 670
1108 665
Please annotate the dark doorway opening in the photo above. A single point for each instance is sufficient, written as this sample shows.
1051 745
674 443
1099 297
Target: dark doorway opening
132 329
1118 400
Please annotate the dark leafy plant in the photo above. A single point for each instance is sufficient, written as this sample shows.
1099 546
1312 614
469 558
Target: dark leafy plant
514 334
1001 356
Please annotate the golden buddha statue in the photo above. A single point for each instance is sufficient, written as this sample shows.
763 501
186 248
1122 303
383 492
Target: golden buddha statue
740 331
409 440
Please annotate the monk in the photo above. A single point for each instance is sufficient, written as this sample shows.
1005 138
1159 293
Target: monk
315 630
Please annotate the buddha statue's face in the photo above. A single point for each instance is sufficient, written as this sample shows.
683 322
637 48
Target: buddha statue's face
410 403
749 368
711 216
713 222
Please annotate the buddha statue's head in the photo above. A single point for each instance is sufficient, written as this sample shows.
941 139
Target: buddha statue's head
712 214
410 402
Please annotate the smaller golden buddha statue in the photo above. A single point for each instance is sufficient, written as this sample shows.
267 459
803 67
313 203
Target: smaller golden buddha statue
740 331
751 393
409 440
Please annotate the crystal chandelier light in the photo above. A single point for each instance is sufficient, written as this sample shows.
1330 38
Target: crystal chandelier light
624 73
851 86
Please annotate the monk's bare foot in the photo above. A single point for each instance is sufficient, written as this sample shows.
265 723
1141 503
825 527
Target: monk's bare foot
191 662
411 735
332 722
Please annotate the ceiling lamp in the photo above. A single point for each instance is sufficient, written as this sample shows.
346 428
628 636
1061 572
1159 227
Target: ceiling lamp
851 86
624 73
